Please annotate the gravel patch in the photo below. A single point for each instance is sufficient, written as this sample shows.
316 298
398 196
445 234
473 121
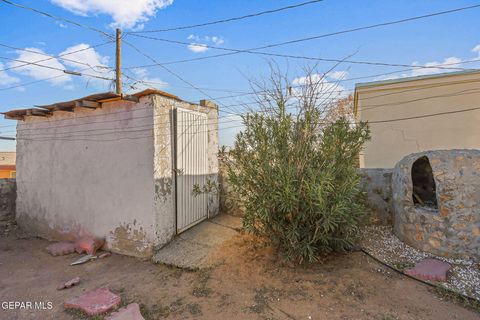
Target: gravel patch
379 241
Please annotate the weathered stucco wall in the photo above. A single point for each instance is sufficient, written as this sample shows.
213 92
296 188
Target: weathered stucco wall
452 228
89 172
392 140
377 184
164 201
8 194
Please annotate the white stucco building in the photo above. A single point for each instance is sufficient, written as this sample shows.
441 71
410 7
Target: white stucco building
115 166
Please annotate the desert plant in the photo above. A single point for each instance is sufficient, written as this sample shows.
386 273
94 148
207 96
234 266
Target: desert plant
296 173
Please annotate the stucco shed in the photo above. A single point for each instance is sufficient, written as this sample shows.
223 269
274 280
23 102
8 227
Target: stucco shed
116 166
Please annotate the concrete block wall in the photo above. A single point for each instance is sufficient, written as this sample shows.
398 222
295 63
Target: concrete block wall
8 194
377 184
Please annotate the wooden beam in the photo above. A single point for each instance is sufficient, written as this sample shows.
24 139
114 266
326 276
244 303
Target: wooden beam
66 109
130 98
88 104
14 117
36 113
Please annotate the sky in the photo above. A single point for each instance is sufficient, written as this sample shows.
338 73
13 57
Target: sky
452 38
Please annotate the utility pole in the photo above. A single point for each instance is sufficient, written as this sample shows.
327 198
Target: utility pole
118 62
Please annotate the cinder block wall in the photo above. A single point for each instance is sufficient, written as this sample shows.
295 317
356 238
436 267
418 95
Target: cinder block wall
377 183
8 194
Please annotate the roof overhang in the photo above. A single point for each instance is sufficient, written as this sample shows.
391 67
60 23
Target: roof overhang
90 102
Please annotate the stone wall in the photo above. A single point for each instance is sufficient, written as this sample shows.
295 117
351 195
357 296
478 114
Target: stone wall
377 183
8 195
451 226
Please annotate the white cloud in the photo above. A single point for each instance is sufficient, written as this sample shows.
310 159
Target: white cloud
125 13
89 56
451 62
58 77
200 43
476 49
6 79
338 75
97 62
326 91
197 47
37 72
148 82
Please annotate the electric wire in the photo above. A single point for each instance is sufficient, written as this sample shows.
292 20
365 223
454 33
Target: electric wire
230 19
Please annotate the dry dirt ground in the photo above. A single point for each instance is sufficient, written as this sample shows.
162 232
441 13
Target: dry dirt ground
248 282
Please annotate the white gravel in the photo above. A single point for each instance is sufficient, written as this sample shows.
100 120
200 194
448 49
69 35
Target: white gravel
379 241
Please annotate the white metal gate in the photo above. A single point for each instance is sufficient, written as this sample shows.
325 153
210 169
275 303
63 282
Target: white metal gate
191 167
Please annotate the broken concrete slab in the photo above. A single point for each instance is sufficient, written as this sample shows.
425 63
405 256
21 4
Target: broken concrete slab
191 248
89 245
130 312
228 221
70 283
61 248
430 269
94 302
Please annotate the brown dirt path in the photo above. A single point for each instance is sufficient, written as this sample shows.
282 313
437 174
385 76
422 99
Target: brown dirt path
248 282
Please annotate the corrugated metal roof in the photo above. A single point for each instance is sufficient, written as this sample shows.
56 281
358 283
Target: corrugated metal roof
91 101
8 158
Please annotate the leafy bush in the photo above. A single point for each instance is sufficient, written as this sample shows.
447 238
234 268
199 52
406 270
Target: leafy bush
296 177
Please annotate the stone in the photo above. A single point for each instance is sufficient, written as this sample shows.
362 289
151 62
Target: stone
476 231
130 312
434 242
70 283
444 212
437 192
94 302
430 269
61 248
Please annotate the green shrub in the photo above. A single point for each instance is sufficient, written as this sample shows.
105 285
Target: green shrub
296 177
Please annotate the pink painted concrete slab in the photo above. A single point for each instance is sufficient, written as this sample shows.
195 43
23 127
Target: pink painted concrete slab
94 302
130 312
430 269
61 248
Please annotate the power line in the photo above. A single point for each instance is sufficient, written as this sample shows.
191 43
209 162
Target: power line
54 57
236 51
76 73
327 107
364 107
462 92
172 73
51 16
254 51
230 19
322 122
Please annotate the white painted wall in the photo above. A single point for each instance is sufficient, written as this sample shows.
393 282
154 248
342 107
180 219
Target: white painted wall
89 172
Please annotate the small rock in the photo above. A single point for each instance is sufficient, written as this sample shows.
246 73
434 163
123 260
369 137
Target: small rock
130 312
94 302
61 248
430 269
69 283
